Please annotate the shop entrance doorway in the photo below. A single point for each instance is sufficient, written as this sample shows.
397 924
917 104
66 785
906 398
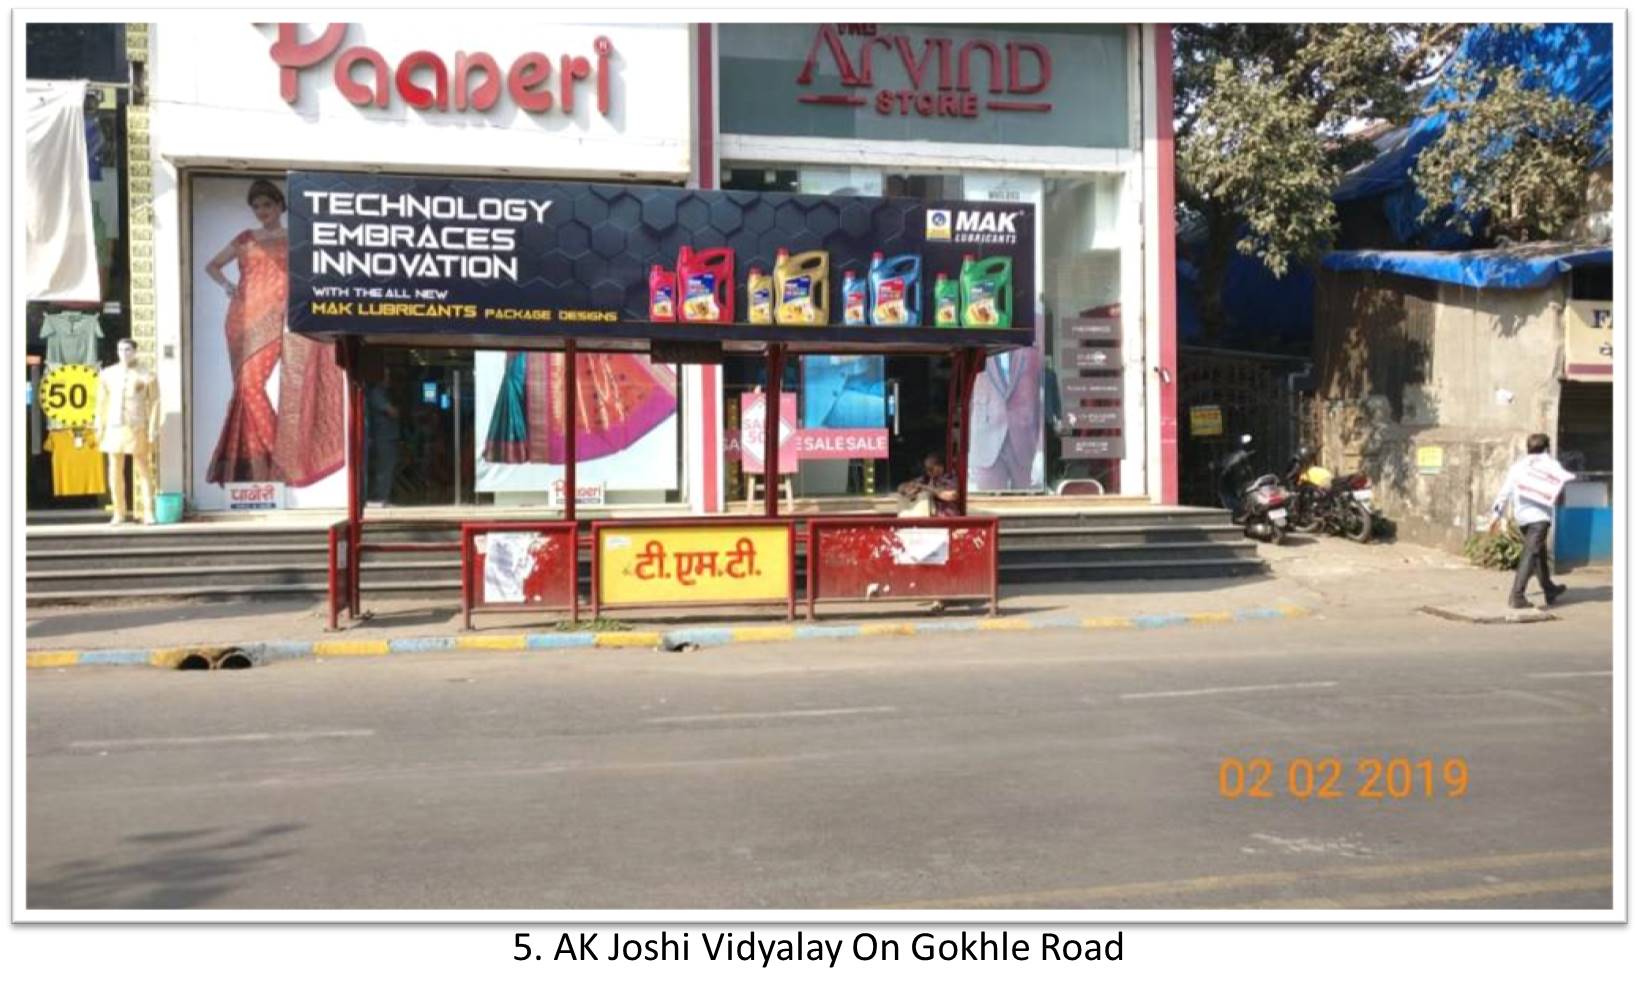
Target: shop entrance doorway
418 430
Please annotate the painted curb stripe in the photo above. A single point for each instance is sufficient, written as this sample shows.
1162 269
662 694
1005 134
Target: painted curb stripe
559 641
628 639
1250 615
507 641
422 644
351 648
838 632
887 629
114 657
1156 622
1003 625
947 626
280 650
763 634
700 636
704 636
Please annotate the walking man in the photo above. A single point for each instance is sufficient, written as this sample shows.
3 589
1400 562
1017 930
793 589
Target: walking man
1532 487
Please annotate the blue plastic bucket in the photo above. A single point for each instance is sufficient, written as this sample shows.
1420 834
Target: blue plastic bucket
168 507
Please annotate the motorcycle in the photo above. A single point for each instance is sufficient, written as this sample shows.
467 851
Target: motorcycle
1258 506
1338 504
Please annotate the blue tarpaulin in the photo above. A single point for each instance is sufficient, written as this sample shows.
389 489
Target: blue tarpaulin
1515 268
1572 60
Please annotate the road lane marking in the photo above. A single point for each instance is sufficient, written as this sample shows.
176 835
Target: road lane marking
1228 690
222 738
1092 895
1431 897
723 717
1572 674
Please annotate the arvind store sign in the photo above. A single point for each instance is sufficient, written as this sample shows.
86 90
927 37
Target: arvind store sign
535 82
944 79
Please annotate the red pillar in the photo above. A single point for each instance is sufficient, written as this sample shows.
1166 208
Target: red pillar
969 363
705 159
770 431
1166 249
353 353
571 417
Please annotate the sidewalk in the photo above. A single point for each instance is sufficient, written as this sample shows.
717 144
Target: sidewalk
1378 580
1373 584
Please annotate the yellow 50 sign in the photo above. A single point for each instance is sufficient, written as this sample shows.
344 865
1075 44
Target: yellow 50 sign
68 395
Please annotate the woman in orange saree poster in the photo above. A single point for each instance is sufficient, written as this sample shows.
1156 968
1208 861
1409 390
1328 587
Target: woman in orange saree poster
302 439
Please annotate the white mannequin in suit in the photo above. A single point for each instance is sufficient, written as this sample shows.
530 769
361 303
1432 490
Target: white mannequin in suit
1006 429
127 424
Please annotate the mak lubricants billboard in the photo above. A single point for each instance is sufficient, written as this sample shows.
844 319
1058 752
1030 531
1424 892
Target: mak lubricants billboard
404 255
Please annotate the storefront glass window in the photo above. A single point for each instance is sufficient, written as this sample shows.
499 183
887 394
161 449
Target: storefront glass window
1083 233
1025 440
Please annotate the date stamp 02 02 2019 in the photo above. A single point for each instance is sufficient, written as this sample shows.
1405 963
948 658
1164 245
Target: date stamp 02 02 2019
1331 778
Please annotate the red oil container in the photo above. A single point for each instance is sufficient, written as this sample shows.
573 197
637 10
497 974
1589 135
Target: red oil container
705 281
662 295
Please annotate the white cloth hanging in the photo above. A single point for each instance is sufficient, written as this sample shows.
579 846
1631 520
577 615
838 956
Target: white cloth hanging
62 248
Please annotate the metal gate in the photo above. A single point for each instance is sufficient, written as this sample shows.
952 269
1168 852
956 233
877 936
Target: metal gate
1257 393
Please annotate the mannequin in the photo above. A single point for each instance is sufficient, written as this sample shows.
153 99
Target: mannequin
127 424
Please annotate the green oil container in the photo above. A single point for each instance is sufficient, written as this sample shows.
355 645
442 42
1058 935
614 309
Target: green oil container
946 302
986 292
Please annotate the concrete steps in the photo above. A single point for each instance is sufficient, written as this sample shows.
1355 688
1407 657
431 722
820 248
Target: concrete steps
91 564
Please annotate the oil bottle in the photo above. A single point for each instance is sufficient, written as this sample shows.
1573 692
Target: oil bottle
706 281
946 302
895 290
759 291
802 288
986 292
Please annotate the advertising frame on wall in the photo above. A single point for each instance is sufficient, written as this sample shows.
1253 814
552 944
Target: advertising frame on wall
267 407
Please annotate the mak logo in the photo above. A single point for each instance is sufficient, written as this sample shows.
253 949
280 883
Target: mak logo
938 225
990 227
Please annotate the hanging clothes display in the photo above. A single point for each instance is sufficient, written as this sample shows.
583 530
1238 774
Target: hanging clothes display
618 399
76 463
71 337
61 249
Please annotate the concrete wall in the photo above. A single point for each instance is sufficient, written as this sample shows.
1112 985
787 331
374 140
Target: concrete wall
1479 373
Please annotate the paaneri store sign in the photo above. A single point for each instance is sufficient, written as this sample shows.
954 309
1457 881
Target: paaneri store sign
425 80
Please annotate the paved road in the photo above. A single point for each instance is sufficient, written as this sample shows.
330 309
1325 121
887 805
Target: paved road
1050 770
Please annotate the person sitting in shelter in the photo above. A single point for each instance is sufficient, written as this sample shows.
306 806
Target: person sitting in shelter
934 493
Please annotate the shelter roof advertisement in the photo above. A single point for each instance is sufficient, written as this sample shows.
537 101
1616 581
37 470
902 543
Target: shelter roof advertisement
456 258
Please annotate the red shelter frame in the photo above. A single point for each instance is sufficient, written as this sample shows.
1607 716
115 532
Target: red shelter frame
967 348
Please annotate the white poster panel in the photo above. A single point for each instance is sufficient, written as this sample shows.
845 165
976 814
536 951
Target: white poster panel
508 563
1007 448
627 438
266 406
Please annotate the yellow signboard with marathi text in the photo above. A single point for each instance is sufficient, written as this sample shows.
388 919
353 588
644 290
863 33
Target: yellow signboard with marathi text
648 564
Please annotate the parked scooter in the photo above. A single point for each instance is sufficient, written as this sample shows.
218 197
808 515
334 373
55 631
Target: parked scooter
1257 505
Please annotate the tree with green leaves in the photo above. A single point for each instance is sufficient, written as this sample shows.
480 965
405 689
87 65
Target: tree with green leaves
1512 155
1268 119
